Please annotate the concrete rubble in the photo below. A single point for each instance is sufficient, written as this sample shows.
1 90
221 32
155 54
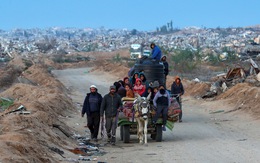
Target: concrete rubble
232 77
56 40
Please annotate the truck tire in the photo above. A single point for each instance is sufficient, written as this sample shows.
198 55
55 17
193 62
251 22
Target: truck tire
158 133
126 133
121 132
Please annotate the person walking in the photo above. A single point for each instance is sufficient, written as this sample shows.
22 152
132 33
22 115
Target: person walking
177 91
162 102
156 52
91 107
166 66
110 105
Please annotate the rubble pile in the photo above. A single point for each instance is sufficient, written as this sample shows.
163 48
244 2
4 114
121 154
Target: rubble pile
238 87
63 41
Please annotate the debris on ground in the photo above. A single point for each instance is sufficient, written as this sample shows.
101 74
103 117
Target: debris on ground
232 77
5 103
21 109
57 150
86 150
218 111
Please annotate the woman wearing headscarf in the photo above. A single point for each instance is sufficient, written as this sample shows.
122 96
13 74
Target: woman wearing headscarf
177 91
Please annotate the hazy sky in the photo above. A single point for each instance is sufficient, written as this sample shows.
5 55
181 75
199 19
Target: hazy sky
130 14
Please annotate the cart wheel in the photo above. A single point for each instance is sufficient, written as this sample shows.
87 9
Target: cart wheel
126 133
158 133
121 132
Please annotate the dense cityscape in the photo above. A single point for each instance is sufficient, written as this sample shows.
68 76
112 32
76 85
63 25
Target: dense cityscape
67 40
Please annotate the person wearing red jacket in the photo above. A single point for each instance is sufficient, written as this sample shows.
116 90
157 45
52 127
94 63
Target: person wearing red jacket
139 87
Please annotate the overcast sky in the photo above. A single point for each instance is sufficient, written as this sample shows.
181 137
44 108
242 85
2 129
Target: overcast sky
130 14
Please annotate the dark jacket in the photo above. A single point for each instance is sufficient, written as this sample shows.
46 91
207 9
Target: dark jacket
162 99
156 53
166 68
166 65
133 79
110 104
177 89
86 106
121 91
144 80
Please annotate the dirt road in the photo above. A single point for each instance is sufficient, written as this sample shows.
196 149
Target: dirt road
207 134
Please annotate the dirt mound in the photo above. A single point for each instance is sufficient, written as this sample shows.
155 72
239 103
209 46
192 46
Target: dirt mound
41 76
191 88
10 72
18 62
243 97
27 138
117 69
195 89
107 55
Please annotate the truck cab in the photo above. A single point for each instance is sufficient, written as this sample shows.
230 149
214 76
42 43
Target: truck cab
136 51
146 53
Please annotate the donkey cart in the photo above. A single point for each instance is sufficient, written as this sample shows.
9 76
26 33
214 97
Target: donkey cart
129 126
137 114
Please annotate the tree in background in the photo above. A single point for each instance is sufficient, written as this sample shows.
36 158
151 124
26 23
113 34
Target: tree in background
134 32
165 28
186 60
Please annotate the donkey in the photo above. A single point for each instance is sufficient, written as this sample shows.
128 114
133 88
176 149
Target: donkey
142 106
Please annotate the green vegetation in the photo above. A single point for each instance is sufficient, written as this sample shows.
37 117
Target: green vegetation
117 58
186 60
213 59
28 63
5 103
130 63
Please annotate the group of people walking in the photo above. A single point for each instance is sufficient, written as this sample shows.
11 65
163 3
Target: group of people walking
95 106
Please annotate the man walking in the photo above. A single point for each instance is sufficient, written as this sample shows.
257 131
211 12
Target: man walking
110 105
162 102
91 107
